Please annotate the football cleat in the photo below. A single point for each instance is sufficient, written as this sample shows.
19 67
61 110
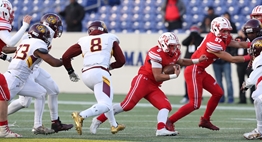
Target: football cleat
57 125
165 132
43 130
94 126
253 135
6 133
170 126
78 122
119 127
207 124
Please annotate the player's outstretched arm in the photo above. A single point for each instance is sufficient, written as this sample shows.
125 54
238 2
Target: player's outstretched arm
187 62
233 59
239 44
48 58
8 50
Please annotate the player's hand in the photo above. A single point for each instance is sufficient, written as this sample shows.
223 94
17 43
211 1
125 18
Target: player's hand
27 19
74 77
202 58
177 69
243 87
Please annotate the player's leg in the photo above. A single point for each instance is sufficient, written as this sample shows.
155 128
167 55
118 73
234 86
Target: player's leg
159 100
20 103
33 89
45 80
212 87
99 81
135 94
195 89
4 98
257 132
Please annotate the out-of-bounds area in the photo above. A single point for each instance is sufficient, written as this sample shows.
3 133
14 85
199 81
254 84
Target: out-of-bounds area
233 120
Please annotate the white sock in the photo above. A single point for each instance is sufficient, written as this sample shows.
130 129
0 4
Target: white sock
53 106
117 108
258 109
162 115
95 110
111 118
39 109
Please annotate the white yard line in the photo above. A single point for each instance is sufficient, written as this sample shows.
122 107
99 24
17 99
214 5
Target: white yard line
174 105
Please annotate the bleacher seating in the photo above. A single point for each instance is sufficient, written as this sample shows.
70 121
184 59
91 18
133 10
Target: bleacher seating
139 16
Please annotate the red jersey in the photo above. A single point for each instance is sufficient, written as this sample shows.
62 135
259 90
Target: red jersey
211 43
158 55
4 25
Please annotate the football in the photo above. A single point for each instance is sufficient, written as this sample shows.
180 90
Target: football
169 69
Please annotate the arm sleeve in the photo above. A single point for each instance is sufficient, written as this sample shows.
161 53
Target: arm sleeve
71 52
155 64
11 41
119 56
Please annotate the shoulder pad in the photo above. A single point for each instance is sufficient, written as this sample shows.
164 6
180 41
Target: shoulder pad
114 37
43 50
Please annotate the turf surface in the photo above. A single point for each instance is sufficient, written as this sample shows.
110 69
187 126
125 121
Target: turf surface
233 120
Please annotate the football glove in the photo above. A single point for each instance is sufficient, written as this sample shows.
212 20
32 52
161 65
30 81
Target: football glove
244 88
74 77
4 57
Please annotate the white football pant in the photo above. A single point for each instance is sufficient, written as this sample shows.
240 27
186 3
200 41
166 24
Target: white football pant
99 81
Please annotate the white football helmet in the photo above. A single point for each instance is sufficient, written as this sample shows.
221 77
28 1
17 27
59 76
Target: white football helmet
167 39
6 11
257 13
218 25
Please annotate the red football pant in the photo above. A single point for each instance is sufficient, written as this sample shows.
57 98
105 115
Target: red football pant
197 80
142 87
4 91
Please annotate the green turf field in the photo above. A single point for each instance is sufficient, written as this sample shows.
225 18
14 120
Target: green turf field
233 120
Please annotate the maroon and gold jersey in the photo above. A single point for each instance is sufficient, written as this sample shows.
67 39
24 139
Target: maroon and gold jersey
213 44
158 55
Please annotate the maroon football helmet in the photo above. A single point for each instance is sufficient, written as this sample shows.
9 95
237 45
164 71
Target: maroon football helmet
97 28
252 26
256 47
54 22
39 31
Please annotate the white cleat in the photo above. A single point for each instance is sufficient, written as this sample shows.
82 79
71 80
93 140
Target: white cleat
165 132
94 126
6 133
253 135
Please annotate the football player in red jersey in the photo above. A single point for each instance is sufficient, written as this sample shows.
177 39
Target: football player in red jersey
150 77
257 13
197 79
6 19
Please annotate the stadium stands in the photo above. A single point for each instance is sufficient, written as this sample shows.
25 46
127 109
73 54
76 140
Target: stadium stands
142 16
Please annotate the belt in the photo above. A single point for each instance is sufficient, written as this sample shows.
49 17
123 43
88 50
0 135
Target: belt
101 67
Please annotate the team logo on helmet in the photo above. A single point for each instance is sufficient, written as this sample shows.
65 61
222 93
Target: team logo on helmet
51 19
258 44
41 28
